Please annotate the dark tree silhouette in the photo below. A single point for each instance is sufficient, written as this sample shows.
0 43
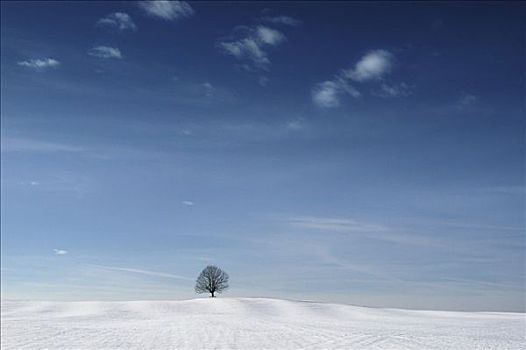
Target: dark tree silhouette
211 280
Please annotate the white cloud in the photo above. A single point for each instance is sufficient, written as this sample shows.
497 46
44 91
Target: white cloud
188 203
60 251
372 66
167 10
34 183
246 48
282 20
269 36
105 52
40 63
253 46
328 93
119 21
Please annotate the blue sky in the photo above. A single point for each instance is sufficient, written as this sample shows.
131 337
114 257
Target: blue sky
363 153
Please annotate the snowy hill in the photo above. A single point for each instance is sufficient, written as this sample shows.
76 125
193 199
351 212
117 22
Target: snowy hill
250 323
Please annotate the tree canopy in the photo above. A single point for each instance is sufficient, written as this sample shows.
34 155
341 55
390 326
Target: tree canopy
211 280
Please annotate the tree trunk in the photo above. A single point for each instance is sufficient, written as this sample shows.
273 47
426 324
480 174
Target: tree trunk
212 294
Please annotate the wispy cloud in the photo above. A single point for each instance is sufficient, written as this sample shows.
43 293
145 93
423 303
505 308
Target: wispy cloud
209 89
118 21
513 190
286 20
372 66
69 183
334 224
31 183
60 251
167 10
142 272
394 90
251 45
295 125
467 100
361 229
39 63
16 144
263 81
188 203
105 52
328 93
464 225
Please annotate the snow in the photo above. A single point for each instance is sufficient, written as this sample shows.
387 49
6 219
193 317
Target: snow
250 323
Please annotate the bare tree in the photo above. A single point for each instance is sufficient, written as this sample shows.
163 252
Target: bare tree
211 280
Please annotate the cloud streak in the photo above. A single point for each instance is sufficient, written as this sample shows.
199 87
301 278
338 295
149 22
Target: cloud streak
105 52
60 251
118 21
360 229
15 144
143 272
334 224
286 20
394 90
39 63
167 10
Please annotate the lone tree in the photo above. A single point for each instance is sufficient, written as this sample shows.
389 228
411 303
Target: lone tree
211 280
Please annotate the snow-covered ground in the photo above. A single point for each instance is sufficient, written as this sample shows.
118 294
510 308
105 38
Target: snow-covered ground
250 323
